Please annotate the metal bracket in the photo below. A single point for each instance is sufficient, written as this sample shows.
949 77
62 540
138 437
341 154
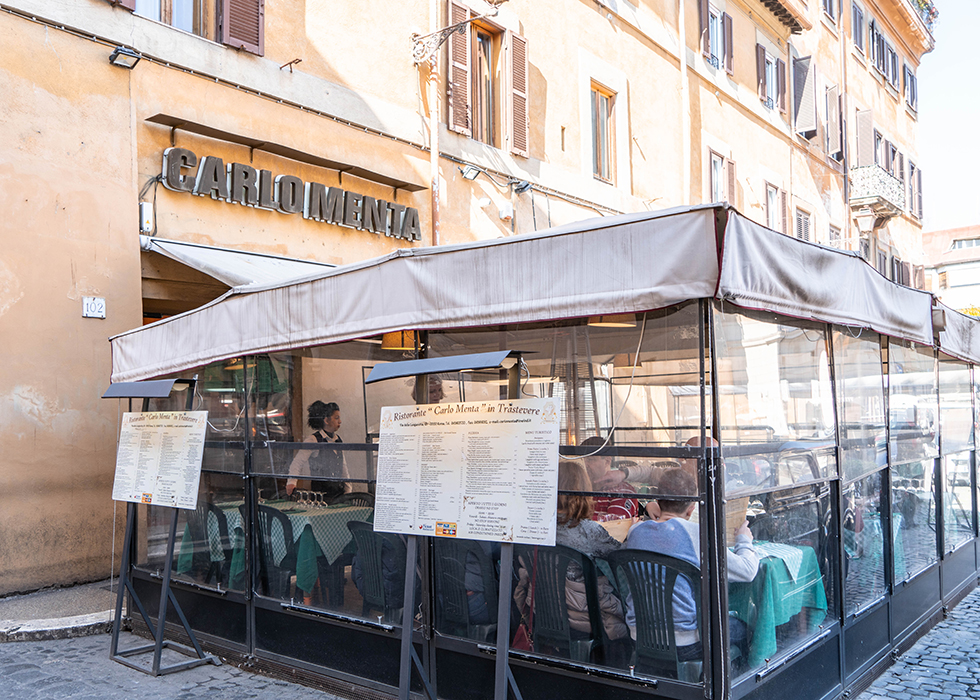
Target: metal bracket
425 46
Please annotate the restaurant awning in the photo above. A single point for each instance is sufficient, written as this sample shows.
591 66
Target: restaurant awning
611 265
234 267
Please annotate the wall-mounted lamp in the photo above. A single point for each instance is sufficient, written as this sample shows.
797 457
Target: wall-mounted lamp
124 57
398 340
613 321
471 172
521 186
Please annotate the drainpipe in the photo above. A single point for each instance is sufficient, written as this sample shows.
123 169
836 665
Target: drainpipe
433 85
685 108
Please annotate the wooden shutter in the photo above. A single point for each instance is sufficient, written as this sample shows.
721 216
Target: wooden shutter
242 25
520 119
834 145
784 207
732 182
865 138
918 192
458 99
726 23
760 70
705 35
805 96
781 84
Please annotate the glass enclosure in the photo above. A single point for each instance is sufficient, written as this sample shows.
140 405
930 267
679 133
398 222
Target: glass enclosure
846 463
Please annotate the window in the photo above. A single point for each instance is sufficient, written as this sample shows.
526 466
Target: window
602 136
771 76
802 225
777 209
915 191
805 96
482 59
911 88
857 27
833 143
833 235
716 37
236 23
943 281
882 263
891 65
722 178
966 243
829 9
879 140
876 46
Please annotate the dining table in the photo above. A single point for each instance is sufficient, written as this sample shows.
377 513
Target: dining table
789 583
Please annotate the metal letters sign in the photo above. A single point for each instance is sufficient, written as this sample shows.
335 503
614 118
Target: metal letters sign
242 184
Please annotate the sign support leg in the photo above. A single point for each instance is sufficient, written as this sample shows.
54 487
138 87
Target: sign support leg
408 655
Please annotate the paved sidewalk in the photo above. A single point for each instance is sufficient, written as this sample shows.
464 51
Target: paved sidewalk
80 669
943 665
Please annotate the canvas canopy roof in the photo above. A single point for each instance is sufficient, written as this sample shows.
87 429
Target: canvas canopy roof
612 265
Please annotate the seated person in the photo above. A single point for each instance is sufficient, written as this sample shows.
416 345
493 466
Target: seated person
607 507
670 532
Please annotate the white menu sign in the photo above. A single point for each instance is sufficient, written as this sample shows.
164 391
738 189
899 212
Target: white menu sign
159 458
482 470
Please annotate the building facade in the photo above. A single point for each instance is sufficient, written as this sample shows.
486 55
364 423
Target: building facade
159 152
953 267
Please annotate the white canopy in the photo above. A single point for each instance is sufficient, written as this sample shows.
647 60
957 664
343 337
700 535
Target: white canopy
612 265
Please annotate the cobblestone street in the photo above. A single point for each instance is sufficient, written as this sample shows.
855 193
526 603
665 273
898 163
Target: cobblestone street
80 669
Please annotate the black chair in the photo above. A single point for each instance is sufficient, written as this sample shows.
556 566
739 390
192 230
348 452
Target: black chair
274 528
218 571
355 498
550 625
453 610
381 559
648 579
204 567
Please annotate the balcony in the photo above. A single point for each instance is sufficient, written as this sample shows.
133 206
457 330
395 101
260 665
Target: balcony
875 188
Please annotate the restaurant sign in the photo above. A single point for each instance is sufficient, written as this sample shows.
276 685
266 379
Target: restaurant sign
238 183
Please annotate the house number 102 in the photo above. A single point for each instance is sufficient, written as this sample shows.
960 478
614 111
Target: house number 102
93 307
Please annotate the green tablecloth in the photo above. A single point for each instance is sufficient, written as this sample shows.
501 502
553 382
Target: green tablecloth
774 597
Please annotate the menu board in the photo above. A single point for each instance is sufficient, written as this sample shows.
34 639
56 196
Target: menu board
482 470
159 458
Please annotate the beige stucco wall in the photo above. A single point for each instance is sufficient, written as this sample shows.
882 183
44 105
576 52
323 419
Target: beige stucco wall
68 199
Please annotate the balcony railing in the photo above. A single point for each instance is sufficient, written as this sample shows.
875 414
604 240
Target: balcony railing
927 11
874 187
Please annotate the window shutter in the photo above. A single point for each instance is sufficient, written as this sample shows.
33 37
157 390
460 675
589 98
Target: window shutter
886 160
459 73
760 70
781 84
804 96
865 138
243 25
705 35
726 21
784 206
125 4
520 124
732 182
918 192
834 146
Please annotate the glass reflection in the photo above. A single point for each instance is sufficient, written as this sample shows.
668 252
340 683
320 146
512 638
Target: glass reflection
864 556
860 402
956 405
777 413
957 500
792 595
913 518
913 404
210 545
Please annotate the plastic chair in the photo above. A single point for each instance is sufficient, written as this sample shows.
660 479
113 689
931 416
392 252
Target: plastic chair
453 611
356 498
204 567
550 626
649 579
219 570
371 557
275 534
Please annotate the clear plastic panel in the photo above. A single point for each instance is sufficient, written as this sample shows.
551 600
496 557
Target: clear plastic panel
860 402
913 517
210 542
957 499
955 405
776 404
913 403
791 596
864 552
